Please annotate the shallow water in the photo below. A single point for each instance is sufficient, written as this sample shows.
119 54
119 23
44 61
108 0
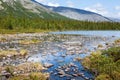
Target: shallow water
92 33
63 52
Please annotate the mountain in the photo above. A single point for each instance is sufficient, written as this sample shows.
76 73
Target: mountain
78 14
26 8
31 8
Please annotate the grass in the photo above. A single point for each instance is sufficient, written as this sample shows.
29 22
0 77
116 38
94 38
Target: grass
5 53
105 62
26 71
31 76
103 77
3 39
26 67
11 53
6 31
23 68
23 52
27 42
117 41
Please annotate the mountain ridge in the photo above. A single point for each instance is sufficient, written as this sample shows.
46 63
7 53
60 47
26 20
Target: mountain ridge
78 14
26 8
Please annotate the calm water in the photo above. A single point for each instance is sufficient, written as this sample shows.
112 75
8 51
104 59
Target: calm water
64 52
92 33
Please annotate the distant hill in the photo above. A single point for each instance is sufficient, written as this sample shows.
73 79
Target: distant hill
78 14
26 8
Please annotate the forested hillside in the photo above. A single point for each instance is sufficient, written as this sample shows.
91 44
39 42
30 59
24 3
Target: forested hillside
23 24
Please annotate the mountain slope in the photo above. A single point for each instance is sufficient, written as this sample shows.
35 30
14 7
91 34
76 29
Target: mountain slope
114 19
27 8
78 14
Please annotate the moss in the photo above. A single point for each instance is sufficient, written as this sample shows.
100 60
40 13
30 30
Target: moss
116 75
23 52
28 66
78 59
86 62
13 53
117 41
113 52
3 39
20 77
103 77
5 53
100 46
39 76
27 42
31 71
10 69
105 63
31 76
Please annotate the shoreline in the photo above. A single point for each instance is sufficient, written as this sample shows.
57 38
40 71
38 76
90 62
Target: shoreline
35 37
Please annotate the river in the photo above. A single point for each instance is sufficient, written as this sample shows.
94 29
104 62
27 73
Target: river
66 52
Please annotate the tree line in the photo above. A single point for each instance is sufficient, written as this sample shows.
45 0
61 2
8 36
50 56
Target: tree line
24 23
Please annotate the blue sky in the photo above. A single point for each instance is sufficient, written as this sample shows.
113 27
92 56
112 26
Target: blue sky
109 8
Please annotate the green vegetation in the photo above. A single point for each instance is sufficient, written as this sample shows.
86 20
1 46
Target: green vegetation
27 42
19 11
11 24
117 41
13 53
104 64
103 77
26 71
32 76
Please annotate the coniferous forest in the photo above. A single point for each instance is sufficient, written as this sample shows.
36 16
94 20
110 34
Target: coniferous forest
23 24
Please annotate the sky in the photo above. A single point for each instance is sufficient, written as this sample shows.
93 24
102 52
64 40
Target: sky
108 8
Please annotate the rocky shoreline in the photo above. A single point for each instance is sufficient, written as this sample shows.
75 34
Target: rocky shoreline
16 49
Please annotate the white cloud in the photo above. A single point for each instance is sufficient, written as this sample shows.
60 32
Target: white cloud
97 8
118 11
70 4
41 0
53 4
118 14
117 7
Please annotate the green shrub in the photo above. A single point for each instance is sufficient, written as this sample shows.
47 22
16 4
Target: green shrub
105 62
103 77
113 52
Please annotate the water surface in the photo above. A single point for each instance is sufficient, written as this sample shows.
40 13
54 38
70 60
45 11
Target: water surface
69 47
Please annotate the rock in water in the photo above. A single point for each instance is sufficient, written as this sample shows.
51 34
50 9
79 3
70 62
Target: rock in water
48 65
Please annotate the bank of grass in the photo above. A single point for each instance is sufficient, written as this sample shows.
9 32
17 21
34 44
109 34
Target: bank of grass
7 31
104 64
